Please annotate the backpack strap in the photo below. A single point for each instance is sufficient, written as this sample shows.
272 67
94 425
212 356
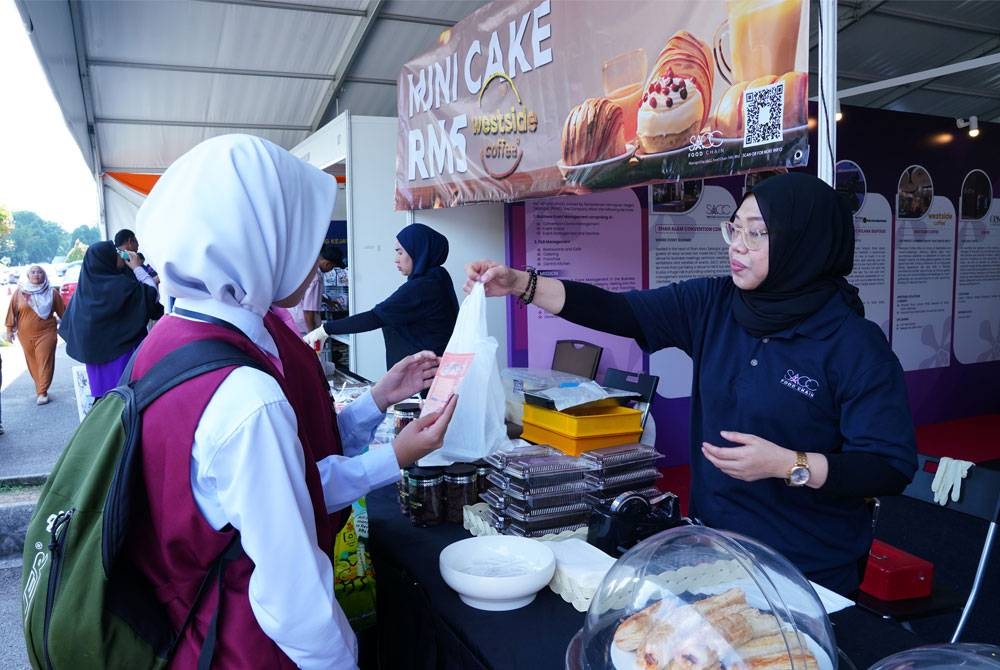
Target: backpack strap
183 364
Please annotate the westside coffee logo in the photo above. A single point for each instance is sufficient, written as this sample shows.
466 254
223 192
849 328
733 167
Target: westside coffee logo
502 156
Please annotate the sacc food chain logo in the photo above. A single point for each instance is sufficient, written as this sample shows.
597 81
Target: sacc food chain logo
501 157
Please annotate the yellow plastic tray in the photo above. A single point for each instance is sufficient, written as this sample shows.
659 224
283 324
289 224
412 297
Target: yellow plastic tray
585 421
574 446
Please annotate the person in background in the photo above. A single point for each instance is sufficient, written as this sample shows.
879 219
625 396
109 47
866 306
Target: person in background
799 410
421 313
33 317
333 266
258 452
125 240
107 318
312 300
149 270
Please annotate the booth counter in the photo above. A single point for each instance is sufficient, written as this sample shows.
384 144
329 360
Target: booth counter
424 624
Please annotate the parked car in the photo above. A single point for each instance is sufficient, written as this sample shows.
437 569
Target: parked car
69 281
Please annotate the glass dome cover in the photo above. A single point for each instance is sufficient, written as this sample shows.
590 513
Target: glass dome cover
694 598
968 656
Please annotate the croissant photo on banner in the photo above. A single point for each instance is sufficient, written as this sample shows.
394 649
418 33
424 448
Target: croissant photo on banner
533 98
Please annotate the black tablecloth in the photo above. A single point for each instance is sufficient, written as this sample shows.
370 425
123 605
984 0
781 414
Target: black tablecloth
422 623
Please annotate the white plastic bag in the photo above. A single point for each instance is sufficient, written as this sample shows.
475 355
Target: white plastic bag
469 368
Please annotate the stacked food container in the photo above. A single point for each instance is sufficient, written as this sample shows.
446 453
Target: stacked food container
615 470
536 491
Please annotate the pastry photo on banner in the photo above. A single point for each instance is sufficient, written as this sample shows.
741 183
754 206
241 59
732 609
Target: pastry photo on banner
514 103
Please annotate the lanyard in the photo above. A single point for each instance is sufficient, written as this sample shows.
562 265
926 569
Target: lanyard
191 314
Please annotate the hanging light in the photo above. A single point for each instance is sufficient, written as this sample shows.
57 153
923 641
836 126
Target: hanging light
838 113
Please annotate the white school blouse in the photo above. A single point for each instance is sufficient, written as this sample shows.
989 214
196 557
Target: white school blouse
247 469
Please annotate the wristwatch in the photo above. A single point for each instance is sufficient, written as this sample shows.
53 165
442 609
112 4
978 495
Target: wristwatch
798 474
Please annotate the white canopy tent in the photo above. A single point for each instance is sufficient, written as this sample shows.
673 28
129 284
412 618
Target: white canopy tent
142 81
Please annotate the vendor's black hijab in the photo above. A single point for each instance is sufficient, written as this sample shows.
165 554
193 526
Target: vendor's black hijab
427 247
810 231
109 310
427 280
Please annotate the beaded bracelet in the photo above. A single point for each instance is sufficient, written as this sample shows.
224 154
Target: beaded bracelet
529 293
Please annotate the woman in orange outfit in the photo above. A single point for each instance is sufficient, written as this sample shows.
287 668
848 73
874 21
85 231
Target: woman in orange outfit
31 317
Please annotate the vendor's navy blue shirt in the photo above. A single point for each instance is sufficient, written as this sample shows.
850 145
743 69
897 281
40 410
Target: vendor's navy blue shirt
830 384
419 315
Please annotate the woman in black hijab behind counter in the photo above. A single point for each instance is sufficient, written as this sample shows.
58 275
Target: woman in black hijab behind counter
799 409
421 313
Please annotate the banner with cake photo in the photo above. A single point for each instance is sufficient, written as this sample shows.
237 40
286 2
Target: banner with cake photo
534 98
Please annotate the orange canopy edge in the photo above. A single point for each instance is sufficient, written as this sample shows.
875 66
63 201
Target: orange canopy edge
143 183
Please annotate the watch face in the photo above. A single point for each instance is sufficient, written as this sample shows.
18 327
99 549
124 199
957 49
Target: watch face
798 476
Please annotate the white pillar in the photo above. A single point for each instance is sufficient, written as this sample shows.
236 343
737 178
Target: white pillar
827 158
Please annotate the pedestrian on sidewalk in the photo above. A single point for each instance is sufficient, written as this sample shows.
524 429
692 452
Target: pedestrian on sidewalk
32 317
1 396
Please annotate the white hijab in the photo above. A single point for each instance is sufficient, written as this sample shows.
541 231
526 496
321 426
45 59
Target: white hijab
39 295
236 219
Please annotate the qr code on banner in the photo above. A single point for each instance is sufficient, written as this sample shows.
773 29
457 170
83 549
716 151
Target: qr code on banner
763 110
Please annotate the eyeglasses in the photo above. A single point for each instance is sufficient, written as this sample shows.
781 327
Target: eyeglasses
753 239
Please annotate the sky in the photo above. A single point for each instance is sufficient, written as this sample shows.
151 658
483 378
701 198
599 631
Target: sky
41 167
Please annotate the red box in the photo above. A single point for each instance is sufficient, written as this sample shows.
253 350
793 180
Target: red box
893 574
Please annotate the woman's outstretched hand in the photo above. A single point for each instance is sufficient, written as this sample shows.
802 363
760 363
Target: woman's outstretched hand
497 279
410 375
314 336
423 435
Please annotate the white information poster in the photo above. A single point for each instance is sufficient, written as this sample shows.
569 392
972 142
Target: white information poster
872 255
595 239
922 283
977 281
683 245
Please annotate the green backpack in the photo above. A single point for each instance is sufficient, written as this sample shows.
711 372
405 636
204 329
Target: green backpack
83 607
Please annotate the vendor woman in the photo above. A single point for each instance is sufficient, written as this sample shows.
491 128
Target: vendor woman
798 407
421 313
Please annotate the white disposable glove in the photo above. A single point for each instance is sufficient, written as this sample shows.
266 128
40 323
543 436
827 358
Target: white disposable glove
959 471
314 336
942 481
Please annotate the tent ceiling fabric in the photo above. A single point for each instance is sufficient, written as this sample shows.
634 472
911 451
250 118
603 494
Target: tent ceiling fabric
142 81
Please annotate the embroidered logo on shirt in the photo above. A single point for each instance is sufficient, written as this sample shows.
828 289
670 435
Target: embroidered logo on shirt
807 386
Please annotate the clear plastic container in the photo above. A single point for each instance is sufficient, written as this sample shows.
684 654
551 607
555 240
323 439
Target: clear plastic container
499 459
702 598
558 515
623 457
548 469
973 656
515 528
605 485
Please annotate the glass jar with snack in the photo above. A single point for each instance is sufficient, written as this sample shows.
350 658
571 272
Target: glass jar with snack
425 488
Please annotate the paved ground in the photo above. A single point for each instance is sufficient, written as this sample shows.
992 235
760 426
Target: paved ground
12 653
33 442
35 434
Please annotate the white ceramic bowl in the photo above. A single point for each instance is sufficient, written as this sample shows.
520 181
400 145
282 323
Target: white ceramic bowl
497 572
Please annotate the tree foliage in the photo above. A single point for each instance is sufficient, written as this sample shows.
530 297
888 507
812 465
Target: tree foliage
35 240
85 235
6 222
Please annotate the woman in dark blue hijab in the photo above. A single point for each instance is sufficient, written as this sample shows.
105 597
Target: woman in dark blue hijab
421 313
